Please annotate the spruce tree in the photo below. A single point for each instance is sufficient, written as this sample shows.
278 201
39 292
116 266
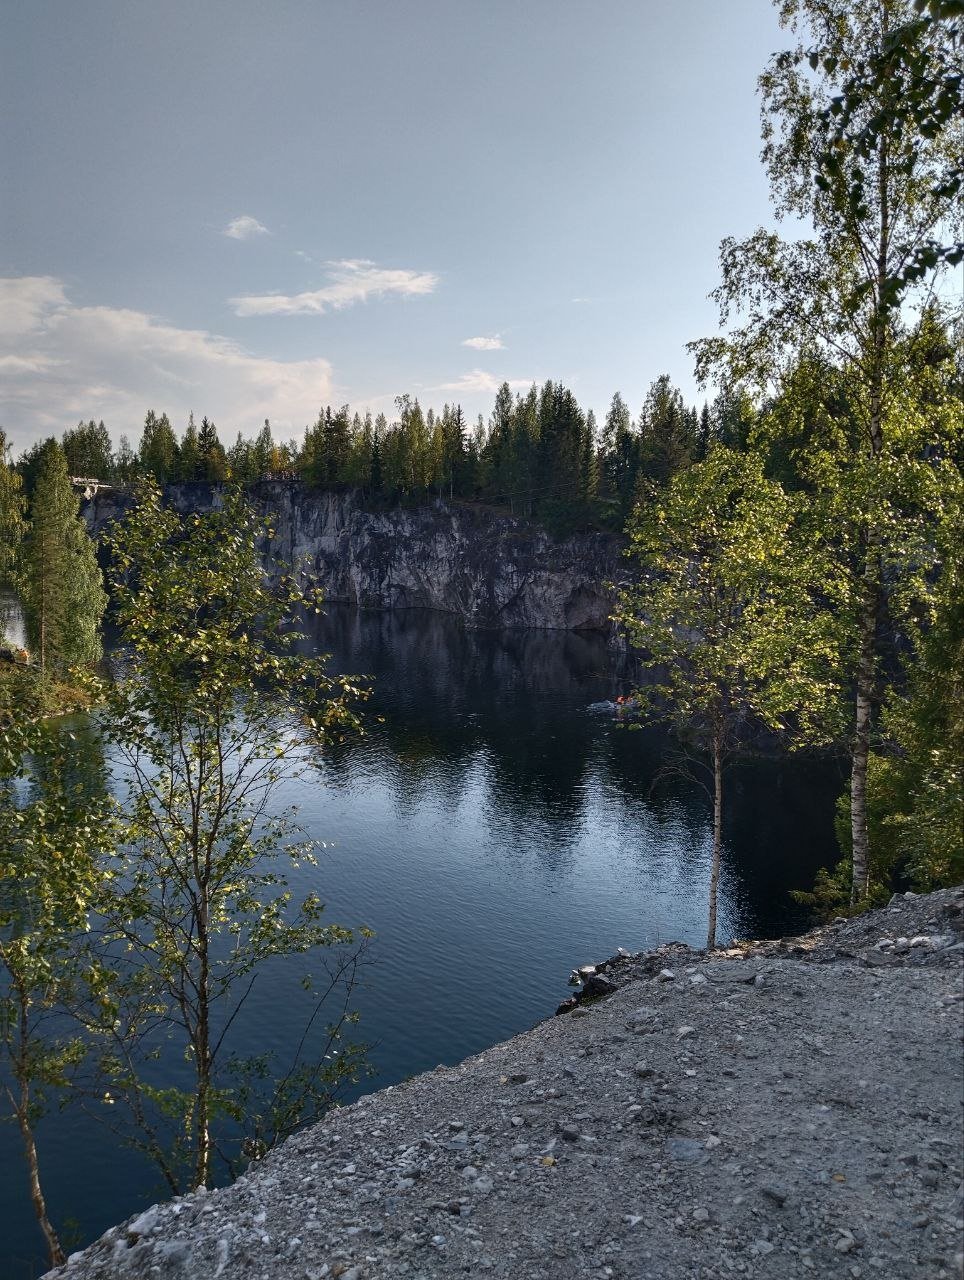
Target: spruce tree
60 584
213 464
11 515
88 450
190 463
158 449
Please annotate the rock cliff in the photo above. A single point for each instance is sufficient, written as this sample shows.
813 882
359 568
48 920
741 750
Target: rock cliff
490 570
784 1109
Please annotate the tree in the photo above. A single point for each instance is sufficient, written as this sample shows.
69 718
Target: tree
720 611
914 82
215 707
835 294
917 785
11 517
158 450
620 450
125 463
60 583
666 440
189 460
88 450
212 462
52 831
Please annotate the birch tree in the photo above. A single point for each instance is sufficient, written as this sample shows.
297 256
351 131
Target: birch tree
53 831
213 707
721 612
844 290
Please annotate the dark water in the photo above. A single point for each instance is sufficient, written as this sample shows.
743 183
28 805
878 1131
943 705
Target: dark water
495 835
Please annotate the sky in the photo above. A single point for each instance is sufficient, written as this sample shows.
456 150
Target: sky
251 210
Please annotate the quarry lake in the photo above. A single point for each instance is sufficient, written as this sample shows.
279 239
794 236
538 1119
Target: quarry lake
495 834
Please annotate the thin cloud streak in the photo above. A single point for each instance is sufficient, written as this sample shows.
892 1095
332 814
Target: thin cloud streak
494 343
350 280
480 380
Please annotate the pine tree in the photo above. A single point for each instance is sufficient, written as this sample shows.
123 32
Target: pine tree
61 588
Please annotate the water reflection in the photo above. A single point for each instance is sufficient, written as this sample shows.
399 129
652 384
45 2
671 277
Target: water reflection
495 835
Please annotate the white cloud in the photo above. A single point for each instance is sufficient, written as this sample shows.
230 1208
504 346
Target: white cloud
245 227
481 380
64 362
349 281
24 302
494 343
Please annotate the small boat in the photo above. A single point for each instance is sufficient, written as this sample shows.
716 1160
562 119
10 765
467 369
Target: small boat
622 709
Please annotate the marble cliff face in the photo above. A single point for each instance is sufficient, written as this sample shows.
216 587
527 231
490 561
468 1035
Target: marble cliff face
490 570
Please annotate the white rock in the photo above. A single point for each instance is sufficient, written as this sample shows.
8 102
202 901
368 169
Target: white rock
145 1222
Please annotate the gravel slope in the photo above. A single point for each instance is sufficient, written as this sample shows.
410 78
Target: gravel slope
782 1109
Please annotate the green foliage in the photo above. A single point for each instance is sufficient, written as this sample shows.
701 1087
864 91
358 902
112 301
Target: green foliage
12 525
213 707
722 607
55 821
158 453
911 83
60 582
723 612
835 300
88 451
831 893
919 789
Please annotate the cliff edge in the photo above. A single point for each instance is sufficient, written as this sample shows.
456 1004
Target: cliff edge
781 1109
490 570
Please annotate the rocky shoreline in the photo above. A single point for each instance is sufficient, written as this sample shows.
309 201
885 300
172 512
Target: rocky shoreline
779 1109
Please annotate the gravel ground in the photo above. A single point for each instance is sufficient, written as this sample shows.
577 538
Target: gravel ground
781 1109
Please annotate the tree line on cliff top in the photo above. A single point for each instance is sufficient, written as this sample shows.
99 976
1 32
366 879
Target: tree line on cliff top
538 454
799 546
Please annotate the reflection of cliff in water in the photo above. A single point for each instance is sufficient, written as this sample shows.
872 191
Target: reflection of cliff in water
458 702
503 716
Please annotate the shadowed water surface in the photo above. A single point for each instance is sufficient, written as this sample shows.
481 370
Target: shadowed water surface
495 835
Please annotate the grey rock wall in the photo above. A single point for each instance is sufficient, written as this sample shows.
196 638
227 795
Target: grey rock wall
490 570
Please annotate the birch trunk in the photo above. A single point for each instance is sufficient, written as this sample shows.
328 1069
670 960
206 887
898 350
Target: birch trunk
717 837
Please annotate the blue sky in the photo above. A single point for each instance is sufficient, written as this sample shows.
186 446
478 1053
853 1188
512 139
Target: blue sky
251 210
